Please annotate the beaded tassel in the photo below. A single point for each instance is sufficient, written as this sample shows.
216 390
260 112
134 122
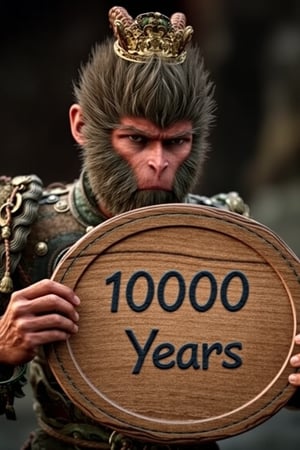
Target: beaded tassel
6 283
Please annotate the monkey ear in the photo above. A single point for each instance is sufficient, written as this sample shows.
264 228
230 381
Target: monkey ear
76 123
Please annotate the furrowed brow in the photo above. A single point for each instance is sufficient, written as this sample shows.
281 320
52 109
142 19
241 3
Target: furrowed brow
132 129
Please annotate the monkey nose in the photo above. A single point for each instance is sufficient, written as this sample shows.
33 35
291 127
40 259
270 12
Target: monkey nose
157 161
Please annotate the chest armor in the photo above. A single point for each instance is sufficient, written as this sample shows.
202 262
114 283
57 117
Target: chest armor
65 214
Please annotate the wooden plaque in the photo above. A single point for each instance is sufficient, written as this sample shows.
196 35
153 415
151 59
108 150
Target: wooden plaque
187 323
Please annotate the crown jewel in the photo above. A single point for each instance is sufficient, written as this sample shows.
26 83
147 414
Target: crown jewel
150 34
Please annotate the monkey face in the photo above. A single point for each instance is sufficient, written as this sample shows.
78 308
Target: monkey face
154 154
144 165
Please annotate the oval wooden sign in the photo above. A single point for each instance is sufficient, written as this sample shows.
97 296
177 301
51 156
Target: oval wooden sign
187 321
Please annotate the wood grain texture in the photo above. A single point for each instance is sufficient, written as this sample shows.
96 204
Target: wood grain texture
187 321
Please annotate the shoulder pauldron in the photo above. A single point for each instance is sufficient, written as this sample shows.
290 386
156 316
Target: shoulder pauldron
19 203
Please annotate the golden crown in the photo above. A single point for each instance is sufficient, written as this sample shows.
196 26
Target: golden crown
150 34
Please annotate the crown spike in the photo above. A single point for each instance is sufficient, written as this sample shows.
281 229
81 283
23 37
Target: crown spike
120 14
178 20
150 34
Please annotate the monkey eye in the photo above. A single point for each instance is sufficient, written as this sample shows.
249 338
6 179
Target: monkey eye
175 141
137 138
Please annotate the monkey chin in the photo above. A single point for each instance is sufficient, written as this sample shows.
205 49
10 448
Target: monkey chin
148 197
141 199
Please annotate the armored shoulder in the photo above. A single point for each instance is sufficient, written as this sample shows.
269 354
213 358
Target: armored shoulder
19 203
230 201
66 212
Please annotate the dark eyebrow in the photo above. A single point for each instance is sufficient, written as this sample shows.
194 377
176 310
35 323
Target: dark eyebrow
181 134
135 130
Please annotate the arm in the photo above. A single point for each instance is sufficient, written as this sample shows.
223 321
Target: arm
40 314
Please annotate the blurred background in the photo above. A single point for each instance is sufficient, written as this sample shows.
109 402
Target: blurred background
252 50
